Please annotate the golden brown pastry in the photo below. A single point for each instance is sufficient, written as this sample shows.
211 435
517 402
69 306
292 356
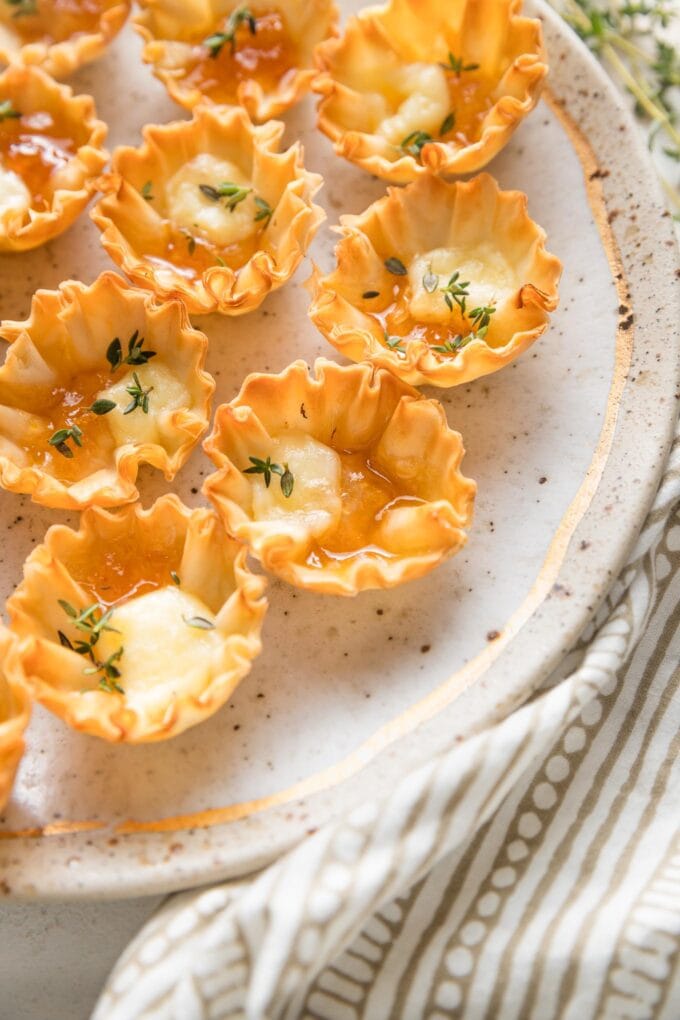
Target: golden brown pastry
417 87
50 154
440 283
98 380
14 715
58 35
209 211
140 624
340 479
259 55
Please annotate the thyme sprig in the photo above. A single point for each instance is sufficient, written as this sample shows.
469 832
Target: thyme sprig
108 682
395 343
232 193
23 7
264 210
61 438
7 111
267 468
630 39
414 143
140 396
456 64
456 292
216 42
93 621
135 355
455 343
146 191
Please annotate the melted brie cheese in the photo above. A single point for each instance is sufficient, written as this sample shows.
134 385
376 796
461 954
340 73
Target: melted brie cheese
15 198
190 208
424 106
159 647
168 394
315 503
490 277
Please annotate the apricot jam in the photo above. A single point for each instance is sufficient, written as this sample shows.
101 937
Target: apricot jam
35 146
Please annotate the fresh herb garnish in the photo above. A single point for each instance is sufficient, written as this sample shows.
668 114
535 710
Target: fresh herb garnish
455 344
233 193
368 294
60 440
108 682
395 343
175 577
92 621
481 318
456 291
146 191
456 65
447 124
134 356
396 267
216 41
413 143
23 7
430 281
7 111
191 240
102 406
267 469
220 261
264 210
140 396
199 621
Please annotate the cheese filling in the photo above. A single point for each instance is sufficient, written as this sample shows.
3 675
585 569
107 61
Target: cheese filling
220 219
489 276
315 503
15 198
160 647
167 394
424 102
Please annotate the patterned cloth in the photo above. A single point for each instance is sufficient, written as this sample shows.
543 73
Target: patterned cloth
530 873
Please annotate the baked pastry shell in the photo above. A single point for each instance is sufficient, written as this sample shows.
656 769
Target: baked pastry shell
423 216
165 26
31 90
61 59
126 219
213 567
491 33
346 407
68 331
15 710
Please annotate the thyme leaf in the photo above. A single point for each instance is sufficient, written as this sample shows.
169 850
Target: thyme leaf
232 193
7 111
102 406
216 41
61 438
456 64
200 622
413 144
140 396
146 191
396 267
264 210
135 355
267 468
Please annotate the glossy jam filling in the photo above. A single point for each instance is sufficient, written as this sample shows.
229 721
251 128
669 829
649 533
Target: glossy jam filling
470 101
126 571
35 146
50 21
268 57
392 314
367 495
190 255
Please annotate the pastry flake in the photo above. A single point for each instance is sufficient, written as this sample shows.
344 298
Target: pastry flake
141 623
339 480
14 714
439 282
58 35
209 211
418 87
96 381
50 155
258 55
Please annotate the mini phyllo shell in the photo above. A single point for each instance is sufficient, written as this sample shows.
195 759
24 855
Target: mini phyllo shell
220 51
209 211
50 155
58 35
98 380
141 623
340 480
14 714
418 87
438 282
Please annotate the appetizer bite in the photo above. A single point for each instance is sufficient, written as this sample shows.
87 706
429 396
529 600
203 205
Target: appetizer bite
210 211
50 154
440 283
259 55
58 35
416 87
98 380
140 624
14 715
340 480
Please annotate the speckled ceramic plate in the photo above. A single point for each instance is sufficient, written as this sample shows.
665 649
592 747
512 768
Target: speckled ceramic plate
566 445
